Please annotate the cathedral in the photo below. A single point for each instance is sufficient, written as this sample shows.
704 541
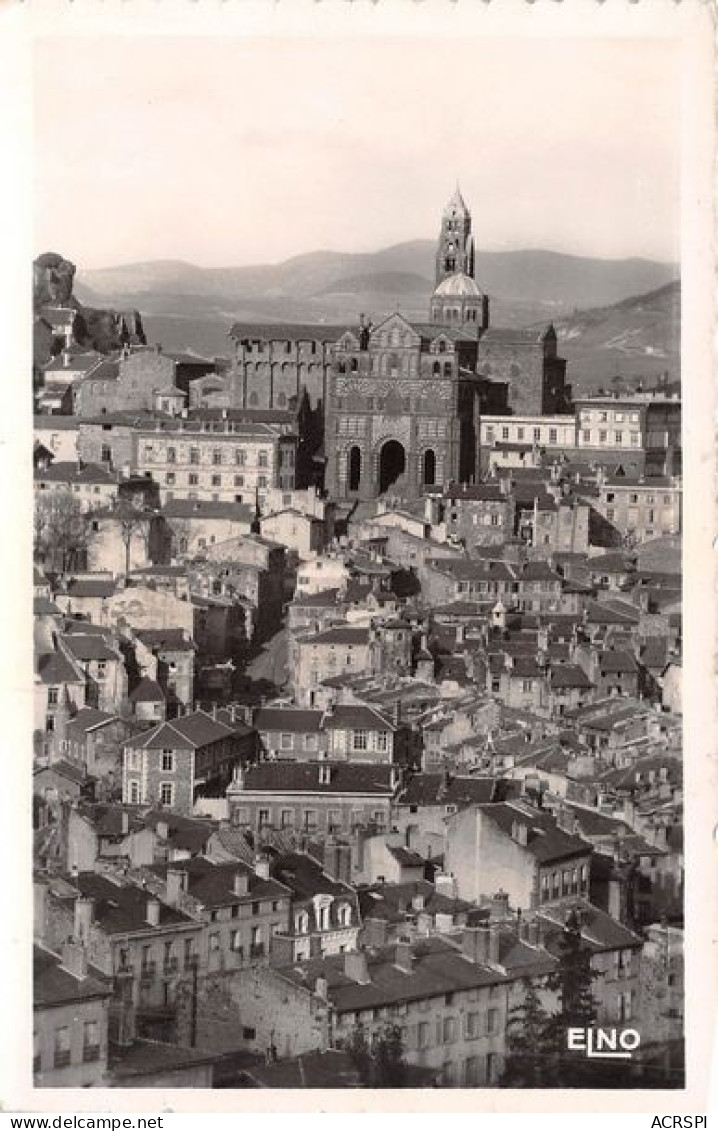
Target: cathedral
405 398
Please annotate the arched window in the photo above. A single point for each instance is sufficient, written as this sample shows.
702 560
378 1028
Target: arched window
442 346
429 468
354 468
344 914
253 399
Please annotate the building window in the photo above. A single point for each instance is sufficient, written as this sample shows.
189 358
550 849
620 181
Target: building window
217 457
168 761
344 914
172 455
602 437
194 455
62 1047
53 696
285 742
236 942
619 437
239 457
382 741
134 793
170 478
263 459
216 480
449 1030
360 740
634 439
504 433
553 435
167 792
286 819
587 435
261 480
106 454
91 1041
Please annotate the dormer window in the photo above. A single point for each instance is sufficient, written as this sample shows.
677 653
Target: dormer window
325 775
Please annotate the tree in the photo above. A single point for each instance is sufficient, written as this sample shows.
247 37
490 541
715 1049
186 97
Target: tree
525 1061
358 1049
572 981
61 531
388 1050
381 1064
132 520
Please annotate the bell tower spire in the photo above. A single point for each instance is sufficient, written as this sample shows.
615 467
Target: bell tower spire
455 251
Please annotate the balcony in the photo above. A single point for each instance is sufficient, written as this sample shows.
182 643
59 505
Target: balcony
90 1053
147 972
171 966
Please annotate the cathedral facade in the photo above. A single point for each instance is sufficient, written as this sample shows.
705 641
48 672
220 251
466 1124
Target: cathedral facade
403 410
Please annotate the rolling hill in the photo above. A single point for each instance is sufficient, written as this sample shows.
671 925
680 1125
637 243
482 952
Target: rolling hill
601 322
637 337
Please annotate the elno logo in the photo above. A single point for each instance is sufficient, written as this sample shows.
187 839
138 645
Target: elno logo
604 1044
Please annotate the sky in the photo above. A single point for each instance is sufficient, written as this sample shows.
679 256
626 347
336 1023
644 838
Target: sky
223 152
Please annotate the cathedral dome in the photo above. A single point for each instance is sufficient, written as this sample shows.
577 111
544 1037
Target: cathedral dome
457 286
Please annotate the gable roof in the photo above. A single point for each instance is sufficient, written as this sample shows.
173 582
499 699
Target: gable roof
56 668
356 716
195 730
304 777
53 985
545 840
292 720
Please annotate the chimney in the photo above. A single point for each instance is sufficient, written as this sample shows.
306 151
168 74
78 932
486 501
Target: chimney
152 912
499 906
519 832
261 866
84 914
74 958
175 885
445 885
475 944
241 883
404 956
356 967
494 940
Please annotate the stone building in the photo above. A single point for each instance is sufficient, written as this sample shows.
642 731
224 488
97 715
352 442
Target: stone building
528 360
402 410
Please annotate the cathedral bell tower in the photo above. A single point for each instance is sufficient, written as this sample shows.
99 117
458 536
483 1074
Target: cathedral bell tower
455 252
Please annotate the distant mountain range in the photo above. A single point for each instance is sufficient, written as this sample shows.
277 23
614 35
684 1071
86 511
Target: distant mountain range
185 305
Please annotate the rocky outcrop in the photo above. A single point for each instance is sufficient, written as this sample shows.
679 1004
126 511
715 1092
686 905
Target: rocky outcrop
54 302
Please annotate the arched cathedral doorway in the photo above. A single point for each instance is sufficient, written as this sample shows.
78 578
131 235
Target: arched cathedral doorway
392 464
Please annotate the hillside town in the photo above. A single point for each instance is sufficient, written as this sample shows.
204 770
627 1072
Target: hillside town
357 702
